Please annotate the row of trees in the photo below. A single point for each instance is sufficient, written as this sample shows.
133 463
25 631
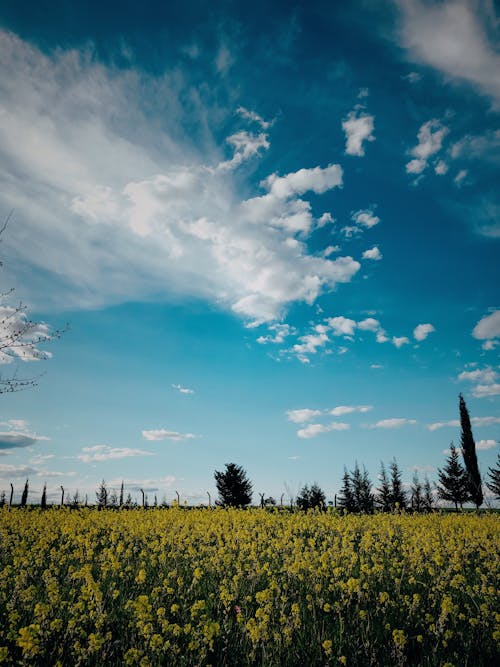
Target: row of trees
357 493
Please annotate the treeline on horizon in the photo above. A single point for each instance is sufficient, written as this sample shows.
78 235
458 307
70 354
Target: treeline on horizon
458 484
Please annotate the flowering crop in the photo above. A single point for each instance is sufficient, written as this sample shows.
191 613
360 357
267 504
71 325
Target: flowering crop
244 587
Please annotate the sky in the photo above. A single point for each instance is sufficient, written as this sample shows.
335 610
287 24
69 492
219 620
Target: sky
272 229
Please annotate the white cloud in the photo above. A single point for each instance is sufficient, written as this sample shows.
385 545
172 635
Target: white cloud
98 165
486 444
486 375
374 253
358 128
12 472
279 333
421 331
412 77
313 430
476 421
400 341
341 326
253 116
302 415
436 425
456 38
183 390
369 324
18 439
348 409
488 327
163 434
106 453
365 218
245 146
441 168
309 344
19 337
484 390
395 422
329 250
430 140
460 177
324 219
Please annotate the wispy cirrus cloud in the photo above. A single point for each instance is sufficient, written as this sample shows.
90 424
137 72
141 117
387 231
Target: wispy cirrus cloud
394 422
87 164
164 434
106 453
455 38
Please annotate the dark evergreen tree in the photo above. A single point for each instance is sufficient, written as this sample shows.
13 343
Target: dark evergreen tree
102 495
428 498
398 494
474 483
361 490
453 485
43 501
24 497
233 486
311 498
383 496
494 475
346 495
417 498
121 495
75 502
2 499
113 499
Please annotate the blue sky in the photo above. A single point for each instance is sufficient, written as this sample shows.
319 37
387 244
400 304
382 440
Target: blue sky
273 229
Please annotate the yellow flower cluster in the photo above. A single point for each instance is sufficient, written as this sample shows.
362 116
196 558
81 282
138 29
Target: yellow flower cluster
245 587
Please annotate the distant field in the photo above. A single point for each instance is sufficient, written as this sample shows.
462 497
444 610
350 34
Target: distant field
236 587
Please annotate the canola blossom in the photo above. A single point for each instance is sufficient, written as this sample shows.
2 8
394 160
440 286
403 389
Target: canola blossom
247 587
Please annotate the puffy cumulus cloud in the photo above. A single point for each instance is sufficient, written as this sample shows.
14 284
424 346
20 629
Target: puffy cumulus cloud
485 390
488 329
278 334
400 341
441 168
395 422
106 453
430 141
348 409
313 430
486 444
127 204
341 326
163 434
369 324
456 38
183 390
365 218
421 331
487 375
302 415
245 146
309 344
373 253
358 128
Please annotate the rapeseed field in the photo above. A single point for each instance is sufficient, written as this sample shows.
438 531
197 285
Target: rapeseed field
247 587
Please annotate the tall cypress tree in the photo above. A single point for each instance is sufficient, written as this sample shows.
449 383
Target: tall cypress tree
453 480
24 497
474 483
43 502
494 475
